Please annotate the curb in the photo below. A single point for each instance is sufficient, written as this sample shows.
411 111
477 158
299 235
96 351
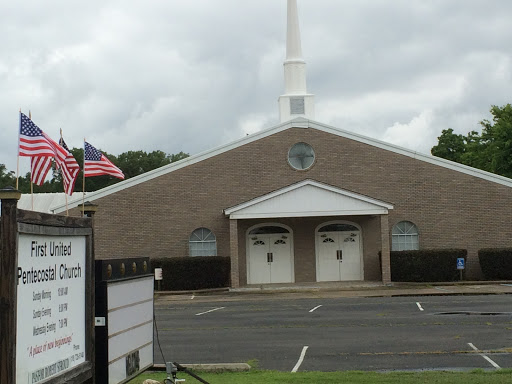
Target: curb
395 289
204 291
219 367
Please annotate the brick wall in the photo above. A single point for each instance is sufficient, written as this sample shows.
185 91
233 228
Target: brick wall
451 209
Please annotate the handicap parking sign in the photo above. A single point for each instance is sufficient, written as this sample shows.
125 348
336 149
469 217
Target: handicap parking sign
460 263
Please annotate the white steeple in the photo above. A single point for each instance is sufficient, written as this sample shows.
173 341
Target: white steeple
296 101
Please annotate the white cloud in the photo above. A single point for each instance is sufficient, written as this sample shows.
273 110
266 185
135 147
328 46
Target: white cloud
415 135
187 76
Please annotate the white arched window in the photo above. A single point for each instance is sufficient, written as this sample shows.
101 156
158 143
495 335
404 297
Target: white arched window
405 237
202 242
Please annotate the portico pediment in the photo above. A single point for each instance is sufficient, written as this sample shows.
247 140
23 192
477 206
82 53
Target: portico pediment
306 199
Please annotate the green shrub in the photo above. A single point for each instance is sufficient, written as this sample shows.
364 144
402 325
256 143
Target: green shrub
429 265
189 273
496 263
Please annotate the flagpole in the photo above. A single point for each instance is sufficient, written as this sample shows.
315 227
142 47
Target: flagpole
31 160
32 190
18 159
63 186
83 184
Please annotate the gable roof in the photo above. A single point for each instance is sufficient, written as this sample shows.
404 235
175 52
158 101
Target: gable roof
306 199
296 123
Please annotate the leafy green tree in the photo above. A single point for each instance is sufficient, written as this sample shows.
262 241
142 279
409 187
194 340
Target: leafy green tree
132 163
7 178
496 141
450 146
490 150
177 157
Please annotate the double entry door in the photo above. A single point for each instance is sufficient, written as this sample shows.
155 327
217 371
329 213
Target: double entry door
339 256
270 259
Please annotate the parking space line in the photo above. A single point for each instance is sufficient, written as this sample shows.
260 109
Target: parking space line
301 359
211 310
484 356
314 309
419 306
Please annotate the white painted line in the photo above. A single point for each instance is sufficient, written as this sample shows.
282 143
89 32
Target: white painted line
314 309
192 298
211 310
442 289
419 306
301 359
484 356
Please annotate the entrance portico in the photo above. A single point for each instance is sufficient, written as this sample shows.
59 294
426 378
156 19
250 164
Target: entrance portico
351 224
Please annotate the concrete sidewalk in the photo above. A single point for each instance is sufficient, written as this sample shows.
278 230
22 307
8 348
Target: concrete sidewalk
370 289
343 289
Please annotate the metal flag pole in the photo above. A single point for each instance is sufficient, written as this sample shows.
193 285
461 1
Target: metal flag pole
63 186
31 160
83 184
18 159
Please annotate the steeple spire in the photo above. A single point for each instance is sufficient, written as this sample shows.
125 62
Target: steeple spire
296 101
293 46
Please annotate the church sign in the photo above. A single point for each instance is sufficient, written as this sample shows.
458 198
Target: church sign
51 306
47 296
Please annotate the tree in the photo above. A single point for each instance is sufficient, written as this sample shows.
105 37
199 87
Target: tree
7 178
496 141
178 156
490 150
132 163
450 146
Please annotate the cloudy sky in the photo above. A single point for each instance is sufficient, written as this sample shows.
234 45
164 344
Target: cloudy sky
182 75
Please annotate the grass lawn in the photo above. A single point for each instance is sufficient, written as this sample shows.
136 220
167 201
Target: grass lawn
256 376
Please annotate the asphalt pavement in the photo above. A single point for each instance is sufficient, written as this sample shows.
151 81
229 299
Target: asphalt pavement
340 326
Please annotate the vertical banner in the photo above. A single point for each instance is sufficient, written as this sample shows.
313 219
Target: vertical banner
51 306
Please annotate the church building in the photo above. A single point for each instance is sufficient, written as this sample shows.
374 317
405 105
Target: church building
303 201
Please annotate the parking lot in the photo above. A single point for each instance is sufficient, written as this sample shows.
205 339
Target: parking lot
324 333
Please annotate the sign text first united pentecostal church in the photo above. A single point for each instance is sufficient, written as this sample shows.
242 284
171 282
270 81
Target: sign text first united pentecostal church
51 272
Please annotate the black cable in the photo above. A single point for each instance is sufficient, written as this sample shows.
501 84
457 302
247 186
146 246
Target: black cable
181 368
178 366
158 339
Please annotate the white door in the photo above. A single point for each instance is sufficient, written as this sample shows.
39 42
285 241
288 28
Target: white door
270 259
339 256
259 266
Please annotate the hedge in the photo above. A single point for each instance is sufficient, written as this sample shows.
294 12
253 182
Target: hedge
496 263
190 273
429 265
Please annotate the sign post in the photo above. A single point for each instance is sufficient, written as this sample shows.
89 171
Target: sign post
159 276
47 295
460 265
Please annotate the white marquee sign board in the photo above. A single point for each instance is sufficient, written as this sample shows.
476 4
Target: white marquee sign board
130 332
51 276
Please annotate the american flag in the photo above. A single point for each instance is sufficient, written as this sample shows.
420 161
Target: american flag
69 169
97 164
33 141
39 168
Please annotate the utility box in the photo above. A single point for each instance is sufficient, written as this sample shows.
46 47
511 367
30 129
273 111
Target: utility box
124 319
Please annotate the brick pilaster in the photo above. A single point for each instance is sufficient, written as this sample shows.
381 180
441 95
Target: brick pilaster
233 244
385 258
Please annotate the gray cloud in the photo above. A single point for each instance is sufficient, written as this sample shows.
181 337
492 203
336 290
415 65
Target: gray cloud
189 76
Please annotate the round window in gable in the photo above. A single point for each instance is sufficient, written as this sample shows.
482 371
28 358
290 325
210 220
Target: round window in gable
301 156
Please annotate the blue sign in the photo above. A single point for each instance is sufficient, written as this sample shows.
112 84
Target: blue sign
460 263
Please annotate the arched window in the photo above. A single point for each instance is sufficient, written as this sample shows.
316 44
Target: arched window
202 242
405 236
